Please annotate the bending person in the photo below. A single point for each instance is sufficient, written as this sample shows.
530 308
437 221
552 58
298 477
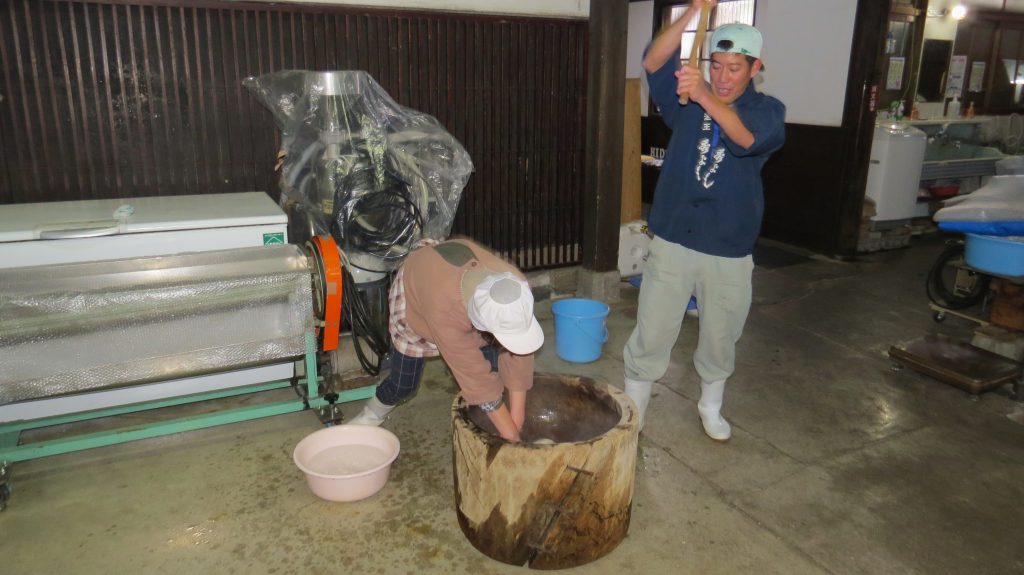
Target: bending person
445 300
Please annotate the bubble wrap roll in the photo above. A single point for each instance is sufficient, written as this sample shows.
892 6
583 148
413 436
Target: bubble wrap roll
98 325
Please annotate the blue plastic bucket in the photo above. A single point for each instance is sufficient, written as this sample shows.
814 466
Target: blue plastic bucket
1001 256
580 329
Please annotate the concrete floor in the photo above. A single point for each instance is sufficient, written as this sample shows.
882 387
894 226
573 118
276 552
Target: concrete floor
838 464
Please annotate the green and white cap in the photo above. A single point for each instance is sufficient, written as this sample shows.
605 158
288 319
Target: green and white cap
737 38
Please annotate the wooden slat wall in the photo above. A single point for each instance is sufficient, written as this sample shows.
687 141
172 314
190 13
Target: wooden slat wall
112 98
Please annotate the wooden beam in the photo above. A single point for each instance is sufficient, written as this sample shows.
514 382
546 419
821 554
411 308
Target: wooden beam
606 86
632 201
862 87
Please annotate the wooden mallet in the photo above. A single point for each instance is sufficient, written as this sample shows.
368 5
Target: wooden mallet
694 61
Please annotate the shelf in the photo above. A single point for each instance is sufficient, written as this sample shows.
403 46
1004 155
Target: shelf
958 169
945 121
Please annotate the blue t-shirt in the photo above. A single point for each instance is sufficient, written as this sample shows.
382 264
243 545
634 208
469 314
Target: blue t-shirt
709 196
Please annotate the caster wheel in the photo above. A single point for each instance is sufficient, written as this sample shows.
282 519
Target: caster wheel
939 316
330 415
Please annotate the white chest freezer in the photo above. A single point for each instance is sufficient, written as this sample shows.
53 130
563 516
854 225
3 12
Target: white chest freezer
94 230
89 230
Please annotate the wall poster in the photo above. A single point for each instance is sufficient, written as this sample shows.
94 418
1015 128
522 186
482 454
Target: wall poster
894 81
957 70
976 82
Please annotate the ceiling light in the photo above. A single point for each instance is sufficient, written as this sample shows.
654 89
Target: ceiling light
959 12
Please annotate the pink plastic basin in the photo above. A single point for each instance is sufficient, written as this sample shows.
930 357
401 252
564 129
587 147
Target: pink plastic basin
347 462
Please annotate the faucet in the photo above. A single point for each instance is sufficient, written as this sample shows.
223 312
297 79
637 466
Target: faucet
941 138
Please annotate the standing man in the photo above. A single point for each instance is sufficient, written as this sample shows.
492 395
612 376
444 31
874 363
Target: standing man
707 210
458 300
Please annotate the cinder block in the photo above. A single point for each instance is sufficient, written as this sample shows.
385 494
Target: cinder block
1005 342
603 286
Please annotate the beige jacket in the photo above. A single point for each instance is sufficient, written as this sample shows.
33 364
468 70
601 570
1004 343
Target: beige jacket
438 283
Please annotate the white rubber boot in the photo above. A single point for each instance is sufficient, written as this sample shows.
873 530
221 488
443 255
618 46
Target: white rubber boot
710 407
374 413
640 393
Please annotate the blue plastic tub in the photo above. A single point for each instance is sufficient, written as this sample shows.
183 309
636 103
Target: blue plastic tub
995 228
995 255
580 330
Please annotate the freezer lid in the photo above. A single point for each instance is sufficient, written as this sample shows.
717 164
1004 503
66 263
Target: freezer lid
90 218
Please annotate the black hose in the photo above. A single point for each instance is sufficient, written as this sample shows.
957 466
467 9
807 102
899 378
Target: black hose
944 295
375 212
369 325
374 216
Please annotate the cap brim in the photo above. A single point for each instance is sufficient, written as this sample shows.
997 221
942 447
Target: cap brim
523 343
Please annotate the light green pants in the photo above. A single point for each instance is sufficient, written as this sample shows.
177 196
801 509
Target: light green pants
672 274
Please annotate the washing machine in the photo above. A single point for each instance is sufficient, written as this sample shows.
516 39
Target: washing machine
894 174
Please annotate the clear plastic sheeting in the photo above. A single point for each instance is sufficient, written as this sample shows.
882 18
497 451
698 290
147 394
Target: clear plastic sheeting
375 175
98 325
1012 166
1001 199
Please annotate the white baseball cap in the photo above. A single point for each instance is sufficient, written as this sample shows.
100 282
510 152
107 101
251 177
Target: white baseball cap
503 305
737 38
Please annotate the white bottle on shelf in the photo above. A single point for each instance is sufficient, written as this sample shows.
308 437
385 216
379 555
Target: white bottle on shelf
953 111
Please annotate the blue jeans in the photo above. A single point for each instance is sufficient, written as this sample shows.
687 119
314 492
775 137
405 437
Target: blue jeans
406 372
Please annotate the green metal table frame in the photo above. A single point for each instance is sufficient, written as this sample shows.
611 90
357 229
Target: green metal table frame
12 450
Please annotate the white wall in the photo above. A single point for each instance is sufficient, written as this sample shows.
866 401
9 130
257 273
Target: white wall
986 4
641 24
547 8
806 51
940 27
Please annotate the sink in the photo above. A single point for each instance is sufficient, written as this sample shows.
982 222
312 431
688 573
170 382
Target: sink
946 160
950 151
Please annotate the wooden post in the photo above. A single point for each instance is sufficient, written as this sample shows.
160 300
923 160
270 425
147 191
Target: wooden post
631 179
606 69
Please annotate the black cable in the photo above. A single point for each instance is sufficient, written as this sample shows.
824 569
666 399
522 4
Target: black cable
401 226
374 212
945 296
369 326
374 216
